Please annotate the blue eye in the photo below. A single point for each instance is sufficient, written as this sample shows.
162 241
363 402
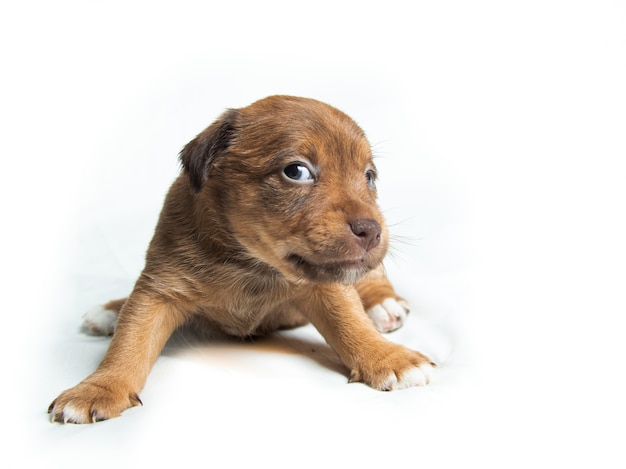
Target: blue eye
298 172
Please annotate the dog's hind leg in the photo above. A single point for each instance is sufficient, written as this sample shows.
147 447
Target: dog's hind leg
385 308
101 320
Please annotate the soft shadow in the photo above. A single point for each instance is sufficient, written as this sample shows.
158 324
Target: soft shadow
288 342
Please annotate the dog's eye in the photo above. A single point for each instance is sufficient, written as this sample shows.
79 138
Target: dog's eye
298 172
370 177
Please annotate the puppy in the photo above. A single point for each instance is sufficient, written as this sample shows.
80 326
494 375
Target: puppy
272 224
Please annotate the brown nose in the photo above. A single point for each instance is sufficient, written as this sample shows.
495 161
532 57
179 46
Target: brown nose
367 232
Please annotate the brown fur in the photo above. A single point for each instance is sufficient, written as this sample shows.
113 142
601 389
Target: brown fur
240 244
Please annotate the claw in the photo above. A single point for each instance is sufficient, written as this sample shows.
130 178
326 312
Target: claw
355 377
134 399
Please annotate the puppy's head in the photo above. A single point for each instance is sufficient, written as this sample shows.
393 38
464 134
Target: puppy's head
292 180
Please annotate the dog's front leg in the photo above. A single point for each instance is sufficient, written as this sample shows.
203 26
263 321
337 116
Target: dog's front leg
143 328
337 313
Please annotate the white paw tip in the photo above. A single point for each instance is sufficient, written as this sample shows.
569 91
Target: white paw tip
388 315
71 415
418 376
100 321
395 307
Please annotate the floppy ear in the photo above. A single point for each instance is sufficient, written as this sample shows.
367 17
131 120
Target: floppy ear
198 156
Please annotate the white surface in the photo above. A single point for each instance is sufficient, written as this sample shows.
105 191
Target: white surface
500 129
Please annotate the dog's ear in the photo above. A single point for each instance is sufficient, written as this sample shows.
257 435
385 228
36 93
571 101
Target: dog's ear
198 156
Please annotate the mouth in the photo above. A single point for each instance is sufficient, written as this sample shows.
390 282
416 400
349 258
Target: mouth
346 272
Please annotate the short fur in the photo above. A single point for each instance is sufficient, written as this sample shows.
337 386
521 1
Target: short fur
248 247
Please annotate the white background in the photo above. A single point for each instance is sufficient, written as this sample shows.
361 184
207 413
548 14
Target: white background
500 132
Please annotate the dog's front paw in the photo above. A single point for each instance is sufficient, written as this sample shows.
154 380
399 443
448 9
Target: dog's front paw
394 367
90 402
389 315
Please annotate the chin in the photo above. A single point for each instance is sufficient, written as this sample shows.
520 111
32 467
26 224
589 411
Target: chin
344 272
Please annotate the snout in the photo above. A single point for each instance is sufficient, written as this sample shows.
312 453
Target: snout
367 232
352 255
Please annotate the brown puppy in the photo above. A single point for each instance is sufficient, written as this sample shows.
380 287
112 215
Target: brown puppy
273 224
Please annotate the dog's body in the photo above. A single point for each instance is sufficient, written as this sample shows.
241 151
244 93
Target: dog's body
273 224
